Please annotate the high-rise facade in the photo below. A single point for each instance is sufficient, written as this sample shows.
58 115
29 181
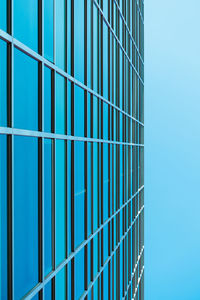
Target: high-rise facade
71 149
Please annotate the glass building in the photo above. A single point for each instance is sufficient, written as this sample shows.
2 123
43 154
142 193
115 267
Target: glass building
71 149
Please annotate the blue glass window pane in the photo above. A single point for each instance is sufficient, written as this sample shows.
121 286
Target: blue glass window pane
89 184
68 107
95 48
105 60
61 285
69 196
3 217
60 104
3 15
95 184
25 214
48 29
79 111
79 39
3 83
79 274
95 117
79 192
47 206
60 33
26 22
105 243
105 182
105 283
25 91
105 121
47 291
69 37
60 201
47 99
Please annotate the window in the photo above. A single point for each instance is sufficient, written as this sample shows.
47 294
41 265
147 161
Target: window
25 214
26 22
25 91
3 83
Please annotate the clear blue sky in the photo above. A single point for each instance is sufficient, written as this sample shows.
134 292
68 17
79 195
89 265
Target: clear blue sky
172 149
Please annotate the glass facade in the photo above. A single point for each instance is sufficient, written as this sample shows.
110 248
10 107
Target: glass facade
72 149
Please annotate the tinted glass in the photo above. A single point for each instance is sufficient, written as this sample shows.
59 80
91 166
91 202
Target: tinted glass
26 91
79 111
3 15
48 29
79 192
25 214
47 206
47 99
60 201
3 216
60 104
60 33
26 22
3 83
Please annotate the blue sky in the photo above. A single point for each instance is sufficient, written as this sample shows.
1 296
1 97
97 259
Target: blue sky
172 149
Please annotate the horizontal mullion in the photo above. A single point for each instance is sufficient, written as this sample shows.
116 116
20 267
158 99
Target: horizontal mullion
8 38
111 255
133 274
125 23
78 249
41 134
118 41
139 279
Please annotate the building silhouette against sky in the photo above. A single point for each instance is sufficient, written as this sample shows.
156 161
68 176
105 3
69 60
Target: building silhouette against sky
71 149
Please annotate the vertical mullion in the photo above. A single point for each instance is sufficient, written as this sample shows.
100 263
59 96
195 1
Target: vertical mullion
53 179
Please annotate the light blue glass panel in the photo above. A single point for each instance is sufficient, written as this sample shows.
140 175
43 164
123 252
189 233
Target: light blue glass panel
105 182
79 111
60 33
69 280
95 184
69 37
3 15
48 29
68 197
79 194
105 60
79 274
89 189
79 39
95 48
105 283
105 121
47 99
26 22
89 24
25 91
95 254
48 291
3 217
61 285
60 104
105 242
69 108
95 117
3 83
60 201
47 206
25 214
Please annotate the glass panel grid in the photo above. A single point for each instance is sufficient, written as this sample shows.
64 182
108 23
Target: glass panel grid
74 124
